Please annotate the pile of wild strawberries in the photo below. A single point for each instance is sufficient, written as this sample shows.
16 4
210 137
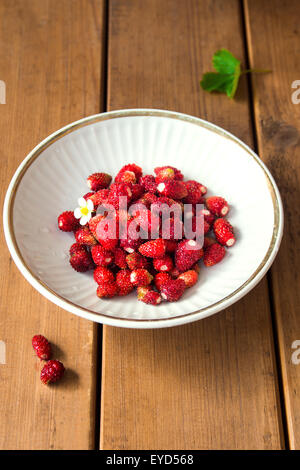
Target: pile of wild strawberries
53 370
159 268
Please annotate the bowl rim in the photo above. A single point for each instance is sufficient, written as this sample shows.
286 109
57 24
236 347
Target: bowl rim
66 304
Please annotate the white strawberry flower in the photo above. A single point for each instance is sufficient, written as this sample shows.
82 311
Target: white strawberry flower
84 211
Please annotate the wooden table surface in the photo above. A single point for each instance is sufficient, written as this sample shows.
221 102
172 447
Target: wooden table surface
228 381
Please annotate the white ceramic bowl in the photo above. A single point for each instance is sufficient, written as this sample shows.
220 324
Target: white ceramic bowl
53 176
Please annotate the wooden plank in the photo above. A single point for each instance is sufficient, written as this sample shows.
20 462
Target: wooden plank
50 60
277 121
211 384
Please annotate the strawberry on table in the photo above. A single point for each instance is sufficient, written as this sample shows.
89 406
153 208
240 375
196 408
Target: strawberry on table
52 372
42 347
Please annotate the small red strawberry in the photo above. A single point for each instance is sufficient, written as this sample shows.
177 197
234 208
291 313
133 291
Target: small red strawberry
120 258
126 176
148 296
103 275
140 277
224 232
213 254
101 256
81 261
118 191
147 199
137 170
153 249
123 282
217 205
148 183
167 173
99 198
195 192
42 347
67 222
173 189
136 260
160 279
98 181
52 372
76 247
163 264
187 253
85 237
93 223
107 290
189 277
172 290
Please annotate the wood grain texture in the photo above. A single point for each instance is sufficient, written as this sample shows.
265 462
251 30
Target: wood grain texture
50 60
277 122
210 384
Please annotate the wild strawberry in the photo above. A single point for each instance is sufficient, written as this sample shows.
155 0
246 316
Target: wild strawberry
76 247
137 191
98 181
136 260
126 176
167 173
160 279
224 232
187 253
123 282
172 290
148 296
101 256
153 249
147 199
195 192
173 189
52 372
67 221
107 290
85 237
148 183
213 254
189 277
120 258
42 347
103 275
81 261
140 277
117 191
163 264
130 245
93 224
217 205
137 170
99 198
